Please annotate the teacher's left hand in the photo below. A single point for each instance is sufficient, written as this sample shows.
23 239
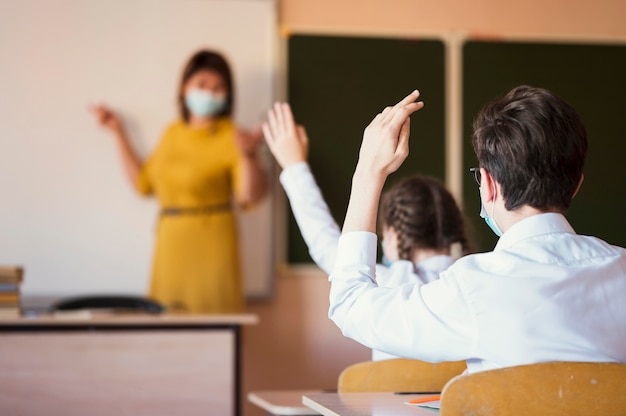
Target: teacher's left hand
248 141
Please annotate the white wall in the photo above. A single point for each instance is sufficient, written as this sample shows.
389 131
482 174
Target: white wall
67 213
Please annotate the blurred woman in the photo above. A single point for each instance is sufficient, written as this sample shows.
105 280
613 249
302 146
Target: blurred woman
202 166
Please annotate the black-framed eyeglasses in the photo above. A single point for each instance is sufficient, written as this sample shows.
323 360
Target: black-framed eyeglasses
476 174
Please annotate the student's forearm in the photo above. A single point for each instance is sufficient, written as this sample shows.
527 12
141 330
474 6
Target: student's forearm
316 223
363 205
254 183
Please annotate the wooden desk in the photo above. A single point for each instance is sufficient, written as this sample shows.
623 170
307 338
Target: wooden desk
134 364
365 404
282 402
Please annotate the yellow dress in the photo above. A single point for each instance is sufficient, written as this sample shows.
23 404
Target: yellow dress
193 173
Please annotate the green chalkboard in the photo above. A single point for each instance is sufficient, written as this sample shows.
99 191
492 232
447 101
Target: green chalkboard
336 85
591 77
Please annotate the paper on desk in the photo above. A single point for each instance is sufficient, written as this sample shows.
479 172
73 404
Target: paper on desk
433 404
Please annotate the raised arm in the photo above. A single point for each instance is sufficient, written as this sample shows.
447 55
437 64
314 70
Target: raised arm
253 184
289 145
385 146
108 119
357 304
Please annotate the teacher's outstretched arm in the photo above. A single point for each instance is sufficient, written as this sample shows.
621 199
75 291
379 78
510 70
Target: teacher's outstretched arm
385 146
253 179
111 121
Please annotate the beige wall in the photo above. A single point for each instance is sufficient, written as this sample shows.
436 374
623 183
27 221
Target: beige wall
295 345
577 18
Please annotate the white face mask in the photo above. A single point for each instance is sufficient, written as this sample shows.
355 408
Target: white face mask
489 219
491 222
203 103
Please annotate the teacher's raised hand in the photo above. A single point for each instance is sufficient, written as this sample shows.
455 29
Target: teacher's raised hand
107 118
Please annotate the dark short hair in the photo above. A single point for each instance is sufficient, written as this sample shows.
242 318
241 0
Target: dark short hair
206 60
534 144
424 215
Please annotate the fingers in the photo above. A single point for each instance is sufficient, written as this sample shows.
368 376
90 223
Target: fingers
99 113
92 108
289 123
96 110
409 98
273 121
386 111
276 119
389 113
398 117
304 138
281 121
403 138
395 117
280 118
267 133
99 109
104 115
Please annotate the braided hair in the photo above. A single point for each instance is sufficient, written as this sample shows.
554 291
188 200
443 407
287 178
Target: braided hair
424 215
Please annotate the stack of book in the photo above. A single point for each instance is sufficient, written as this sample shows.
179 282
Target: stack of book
10 281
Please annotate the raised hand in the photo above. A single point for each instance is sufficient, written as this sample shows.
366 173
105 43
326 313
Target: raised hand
111 121
107 118
248 141
386 140
287 141
385 146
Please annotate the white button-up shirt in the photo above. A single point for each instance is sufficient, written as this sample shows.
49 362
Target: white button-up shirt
544 294
321 234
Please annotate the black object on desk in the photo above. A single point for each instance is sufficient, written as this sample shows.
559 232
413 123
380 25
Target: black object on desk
121 302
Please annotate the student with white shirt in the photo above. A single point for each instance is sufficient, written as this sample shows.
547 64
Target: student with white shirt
543 294
420 219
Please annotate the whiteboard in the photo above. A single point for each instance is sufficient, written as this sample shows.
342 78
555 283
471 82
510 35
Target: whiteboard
68 213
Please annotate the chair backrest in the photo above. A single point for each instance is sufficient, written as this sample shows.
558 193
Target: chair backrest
398 374
555 388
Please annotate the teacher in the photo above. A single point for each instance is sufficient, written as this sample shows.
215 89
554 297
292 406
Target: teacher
202 166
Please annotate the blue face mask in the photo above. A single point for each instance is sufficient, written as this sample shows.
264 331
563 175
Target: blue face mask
203 103
489 220
386 262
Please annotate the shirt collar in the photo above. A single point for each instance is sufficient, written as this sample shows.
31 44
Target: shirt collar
439 262
533 226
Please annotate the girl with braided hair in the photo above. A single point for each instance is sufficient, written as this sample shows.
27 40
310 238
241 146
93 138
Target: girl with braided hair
420 223
420 220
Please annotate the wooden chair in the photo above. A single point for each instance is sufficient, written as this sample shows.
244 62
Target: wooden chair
398 374
555 388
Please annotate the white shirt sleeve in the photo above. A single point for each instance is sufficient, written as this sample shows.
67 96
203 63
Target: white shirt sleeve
317 226
430 322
